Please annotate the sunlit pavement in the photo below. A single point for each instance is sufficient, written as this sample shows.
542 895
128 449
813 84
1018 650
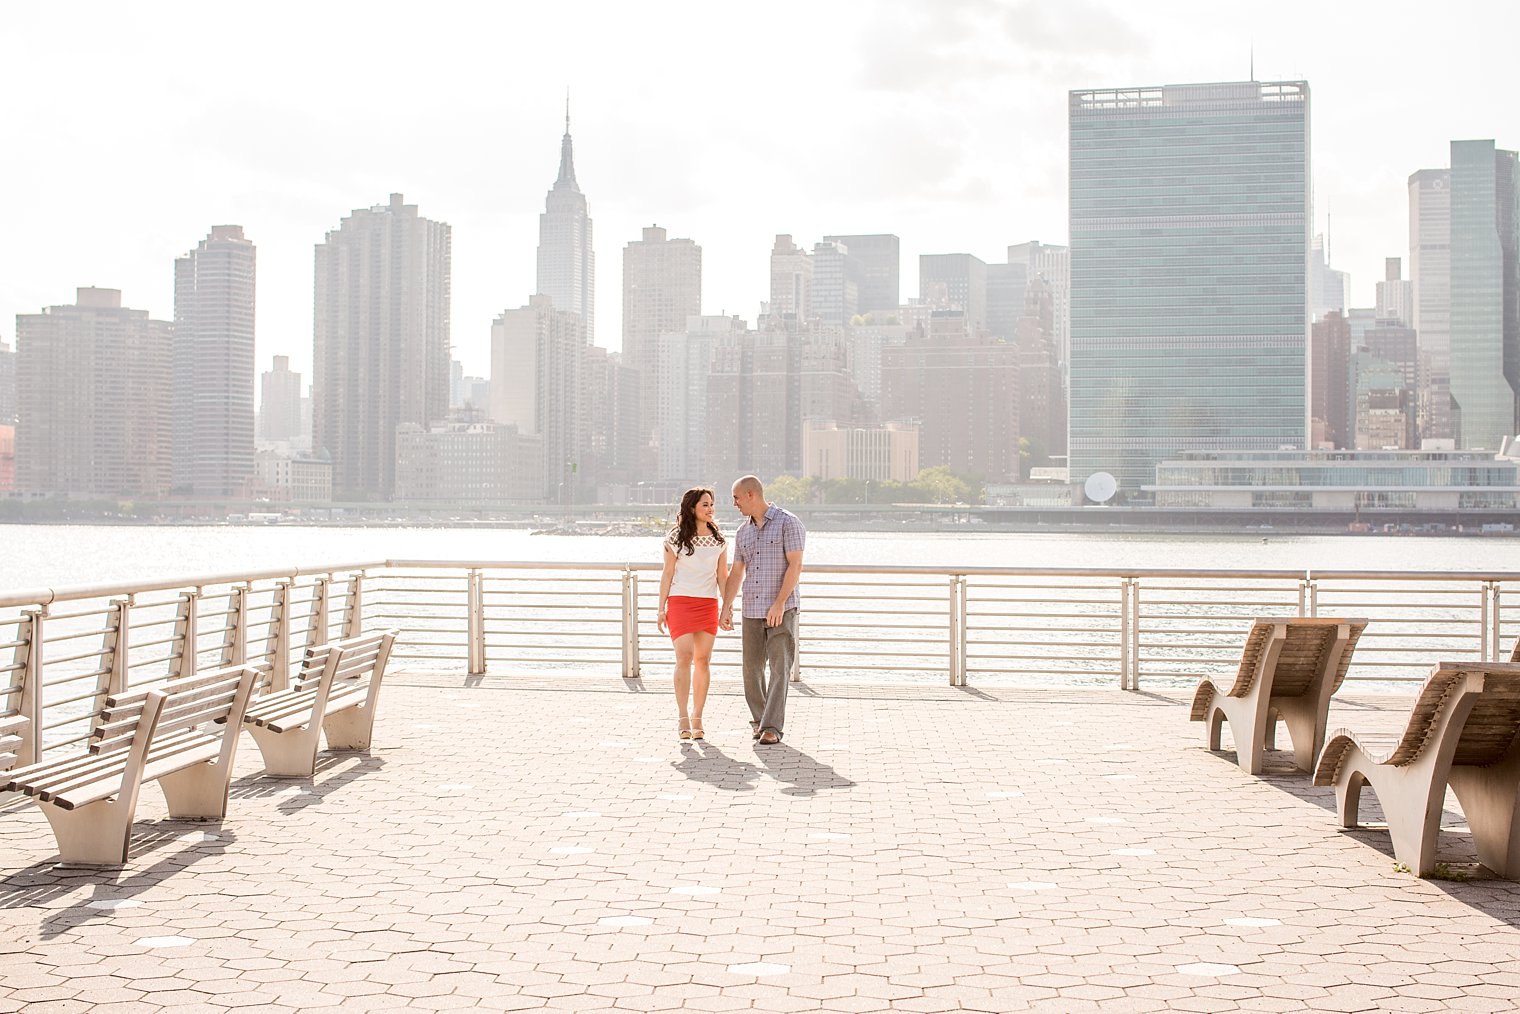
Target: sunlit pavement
518 845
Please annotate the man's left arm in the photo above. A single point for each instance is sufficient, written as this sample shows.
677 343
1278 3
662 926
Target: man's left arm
792 540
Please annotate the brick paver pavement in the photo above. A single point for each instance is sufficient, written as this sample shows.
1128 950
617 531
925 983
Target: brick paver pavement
517 845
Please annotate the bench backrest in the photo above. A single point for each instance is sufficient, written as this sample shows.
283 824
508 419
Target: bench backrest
362 657
190 702
1494 720
1491 724
1300 656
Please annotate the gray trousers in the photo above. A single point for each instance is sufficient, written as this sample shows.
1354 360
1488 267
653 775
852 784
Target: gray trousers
768 656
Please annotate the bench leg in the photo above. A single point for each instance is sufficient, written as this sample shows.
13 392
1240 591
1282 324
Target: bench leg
349 729
291 754
97 834
1306 728
198 792
1490 798
1348 787
1213 727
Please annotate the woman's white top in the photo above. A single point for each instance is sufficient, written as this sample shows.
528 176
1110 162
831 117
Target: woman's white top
696 575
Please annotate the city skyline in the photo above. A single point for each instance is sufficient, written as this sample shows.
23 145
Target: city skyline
955 143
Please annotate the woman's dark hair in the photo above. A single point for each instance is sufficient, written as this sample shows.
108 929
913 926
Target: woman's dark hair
685 531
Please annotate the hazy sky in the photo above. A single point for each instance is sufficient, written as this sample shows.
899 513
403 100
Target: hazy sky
129 130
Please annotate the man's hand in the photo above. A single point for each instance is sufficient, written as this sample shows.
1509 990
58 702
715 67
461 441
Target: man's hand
773 615
726 618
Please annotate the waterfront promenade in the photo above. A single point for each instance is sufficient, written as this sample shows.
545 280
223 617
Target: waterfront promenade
517 844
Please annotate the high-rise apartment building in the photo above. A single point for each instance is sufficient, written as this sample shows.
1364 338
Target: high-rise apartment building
1430 285
611 393
280 402
955 282
1189 259
662 286
962 389
837 276
791 280
879 260
381 341
1485 294
537 354
1042 391
213 414
7 384
93 382
1052 263
566 263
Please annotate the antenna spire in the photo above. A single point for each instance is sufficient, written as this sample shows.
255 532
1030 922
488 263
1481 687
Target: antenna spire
567 110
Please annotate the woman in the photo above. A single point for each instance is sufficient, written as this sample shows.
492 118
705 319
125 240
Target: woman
696 567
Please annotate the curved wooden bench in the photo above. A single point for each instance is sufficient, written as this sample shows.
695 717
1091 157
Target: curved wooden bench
174 734
1464 730
335 693
1289 668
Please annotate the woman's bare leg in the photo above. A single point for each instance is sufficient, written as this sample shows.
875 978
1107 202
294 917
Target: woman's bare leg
684 650
702 648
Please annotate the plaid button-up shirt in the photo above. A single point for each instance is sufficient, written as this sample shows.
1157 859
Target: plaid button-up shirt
763 553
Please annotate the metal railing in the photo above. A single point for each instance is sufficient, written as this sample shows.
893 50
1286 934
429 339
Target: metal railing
63 650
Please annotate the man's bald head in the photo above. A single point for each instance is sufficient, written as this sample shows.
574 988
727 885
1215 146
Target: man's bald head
749 497
749 484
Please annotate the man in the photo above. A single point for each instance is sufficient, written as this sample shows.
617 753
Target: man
768 563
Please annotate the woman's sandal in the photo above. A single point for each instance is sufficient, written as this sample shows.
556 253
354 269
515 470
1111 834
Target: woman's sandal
696 729
683 728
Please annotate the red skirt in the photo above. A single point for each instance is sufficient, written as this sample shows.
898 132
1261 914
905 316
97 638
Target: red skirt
685 614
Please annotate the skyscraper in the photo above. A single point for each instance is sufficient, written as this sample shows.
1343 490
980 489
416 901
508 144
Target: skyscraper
662 286
1006 284
537 354
1395 294
1189 260
955 282
791 279
685 362
879 256
93 387
280 402
1328 288
381 341
7 384
837 275
213 428
566 263
1430 284
1052 263
1485 294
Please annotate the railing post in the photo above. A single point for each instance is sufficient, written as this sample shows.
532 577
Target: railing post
475 623
965 629
1132 627
317 631
629 624
186 624
353 609
633 624
114 649
955 631
278 644
1496 628
235 640
1488 623
29 655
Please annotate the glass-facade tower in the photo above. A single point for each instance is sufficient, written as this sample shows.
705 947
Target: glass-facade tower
1190 212
1485 288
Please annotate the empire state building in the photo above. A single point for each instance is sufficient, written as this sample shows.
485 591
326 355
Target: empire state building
566 265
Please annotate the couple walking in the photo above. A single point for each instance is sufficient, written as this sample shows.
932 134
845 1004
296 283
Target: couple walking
768 564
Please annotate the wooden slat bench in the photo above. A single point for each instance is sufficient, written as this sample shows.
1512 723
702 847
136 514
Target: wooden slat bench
174 734
1464 730
1289 667
335 693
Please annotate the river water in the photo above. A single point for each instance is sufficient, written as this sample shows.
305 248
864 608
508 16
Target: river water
33 556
